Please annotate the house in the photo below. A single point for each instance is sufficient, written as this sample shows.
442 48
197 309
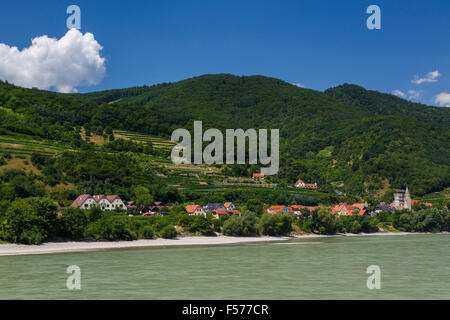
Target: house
288 210
258 175
383 207
427 204
275 209
87 201
195 210
131 205
211 206
229 206
219 213
340 209
156 209
297 209
301 184
203 183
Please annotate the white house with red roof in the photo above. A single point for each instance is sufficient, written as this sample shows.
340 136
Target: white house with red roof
86 201
195 210
229 206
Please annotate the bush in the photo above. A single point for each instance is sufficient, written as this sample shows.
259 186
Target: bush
28 221
147 232
72 224
111 228
198 225
245 225
275 224
169 232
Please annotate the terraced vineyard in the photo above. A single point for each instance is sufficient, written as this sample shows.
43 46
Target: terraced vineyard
157 142
25 145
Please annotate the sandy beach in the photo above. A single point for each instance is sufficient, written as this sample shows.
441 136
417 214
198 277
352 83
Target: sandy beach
87 246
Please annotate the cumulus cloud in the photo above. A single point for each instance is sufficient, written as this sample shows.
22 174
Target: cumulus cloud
300 85
399 93
64 64
430 77
411 94
443 99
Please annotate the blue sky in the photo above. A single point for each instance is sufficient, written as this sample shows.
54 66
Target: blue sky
316 43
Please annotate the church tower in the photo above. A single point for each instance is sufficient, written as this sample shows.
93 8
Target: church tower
407 199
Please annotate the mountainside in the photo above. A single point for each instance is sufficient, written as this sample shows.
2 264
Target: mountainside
364 140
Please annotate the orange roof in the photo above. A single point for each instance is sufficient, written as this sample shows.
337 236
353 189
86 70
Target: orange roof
277 207
298 207
414 202
360 206
337 207
258 175
227 204
221 211
428 204
191 207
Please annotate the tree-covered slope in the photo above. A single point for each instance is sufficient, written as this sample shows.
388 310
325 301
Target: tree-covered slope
362 138
388 104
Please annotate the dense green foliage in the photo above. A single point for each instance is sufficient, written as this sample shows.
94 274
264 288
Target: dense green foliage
347 139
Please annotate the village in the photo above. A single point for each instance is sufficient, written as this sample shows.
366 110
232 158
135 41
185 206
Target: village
402 200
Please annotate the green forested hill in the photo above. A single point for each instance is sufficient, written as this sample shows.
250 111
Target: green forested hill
363 140
388 104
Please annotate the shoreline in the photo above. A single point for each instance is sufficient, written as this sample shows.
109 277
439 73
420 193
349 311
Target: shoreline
186 241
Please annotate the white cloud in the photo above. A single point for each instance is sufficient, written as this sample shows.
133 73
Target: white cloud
300 85
399 93
410 95
63 64
443 99
413 94
430 77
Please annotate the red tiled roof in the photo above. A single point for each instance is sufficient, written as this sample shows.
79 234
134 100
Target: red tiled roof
79 201
227 204
276 209
112 198
258 175
360 206
98 197
361 212
191 207
221 212
428 204
298 207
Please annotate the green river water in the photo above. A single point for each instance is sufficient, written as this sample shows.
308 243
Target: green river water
412 267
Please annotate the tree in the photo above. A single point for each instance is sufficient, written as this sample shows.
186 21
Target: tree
143 197
29 221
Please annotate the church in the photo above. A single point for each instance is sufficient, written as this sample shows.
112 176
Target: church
402 199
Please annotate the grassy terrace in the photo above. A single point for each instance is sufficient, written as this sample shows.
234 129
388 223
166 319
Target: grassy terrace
157 142
26 145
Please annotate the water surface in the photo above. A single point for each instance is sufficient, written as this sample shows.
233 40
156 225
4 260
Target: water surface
412 267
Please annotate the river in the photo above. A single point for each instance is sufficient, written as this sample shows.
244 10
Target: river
411 267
